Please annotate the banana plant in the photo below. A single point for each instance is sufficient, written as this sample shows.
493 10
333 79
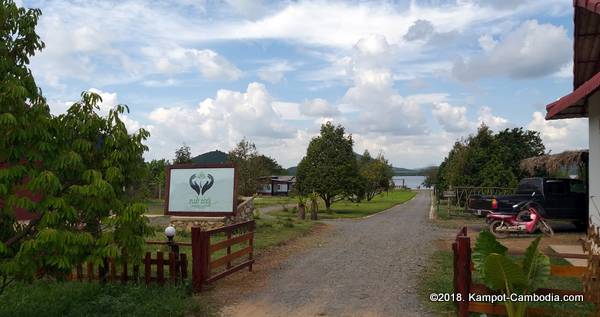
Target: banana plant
506 275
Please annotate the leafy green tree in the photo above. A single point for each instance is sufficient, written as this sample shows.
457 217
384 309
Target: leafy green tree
183 155
249 166
489 160
376 175
329 168
431 176
270 165
74 173
156 174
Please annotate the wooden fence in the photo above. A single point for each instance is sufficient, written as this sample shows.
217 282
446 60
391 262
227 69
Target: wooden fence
202 250
153 270
463 282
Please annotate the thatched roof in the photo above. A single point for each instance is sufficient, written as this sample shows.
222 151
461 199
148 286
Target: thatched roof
555 162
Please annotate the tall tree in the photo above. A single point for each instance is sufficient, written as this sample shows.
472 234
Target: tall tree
249 166
183 155
329 167
74 173
489 160
376 175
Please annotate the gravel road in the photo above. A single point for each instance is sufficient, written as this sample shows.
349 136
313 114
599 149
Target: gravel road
366 267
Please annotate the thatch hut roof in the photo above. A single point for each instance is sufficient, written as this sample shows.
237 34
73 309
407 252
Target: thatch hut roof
555 162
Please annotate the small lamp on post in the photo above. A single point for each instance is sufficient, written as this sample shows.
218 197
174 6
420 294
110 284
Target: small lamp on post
170 232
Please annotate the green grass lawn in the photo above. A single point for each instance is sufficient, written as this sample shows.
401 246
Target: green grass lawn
262 201
93 299
437 277
348 209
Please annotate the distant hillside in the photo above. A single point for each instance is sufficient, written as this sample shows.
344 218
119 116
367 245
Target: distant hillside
211 157
398 171
292 170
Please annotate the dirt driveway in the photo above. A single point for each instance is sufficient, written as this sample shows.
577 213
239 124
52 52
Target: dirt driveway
366 267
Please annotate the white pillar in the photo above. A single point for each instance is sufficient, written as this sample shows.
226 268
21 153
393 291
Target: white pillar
594 168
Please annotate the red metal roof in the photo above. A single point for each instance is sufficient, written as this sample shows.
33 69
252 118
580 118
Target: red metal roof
592 5
586 61
573 105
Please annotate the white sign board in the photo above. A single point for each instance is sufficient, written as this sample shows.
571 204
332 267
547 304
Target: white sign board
201 190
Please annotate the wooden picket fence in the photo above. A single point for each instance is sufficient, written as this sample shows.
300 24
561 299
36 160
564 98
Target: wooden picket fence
464 285
153 270
202 250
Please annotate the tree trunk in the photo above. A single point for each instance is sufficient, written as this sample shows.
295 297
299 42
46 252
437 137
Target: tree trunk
327 204
301 212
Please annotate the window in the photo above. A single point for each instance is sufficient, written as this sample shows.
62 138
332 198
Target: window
556 187
577 187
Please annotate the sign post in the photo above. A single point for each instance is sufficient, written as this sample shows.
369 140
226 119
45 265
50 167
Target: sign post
203 190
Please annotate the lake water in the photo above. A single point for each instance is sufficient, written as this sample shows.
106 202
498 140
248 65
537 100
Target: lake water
409 181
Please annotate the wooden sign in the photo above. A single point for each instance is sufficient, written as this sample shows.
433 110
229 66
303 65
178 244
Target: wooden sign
201 190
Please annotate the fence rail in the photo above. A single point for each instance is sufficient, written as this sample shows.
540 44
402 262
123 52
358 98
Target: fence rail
111 272
203 250
463 282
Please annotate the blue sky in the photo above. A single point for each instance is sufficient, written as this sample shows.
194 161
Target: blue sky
406 78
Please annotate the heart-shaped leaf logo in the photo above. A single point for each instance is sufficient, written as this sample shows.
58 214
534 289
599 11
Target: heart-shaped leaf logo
201 182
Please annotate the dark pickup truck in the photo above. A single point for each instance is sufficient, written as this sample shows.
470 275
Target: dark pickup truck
560 198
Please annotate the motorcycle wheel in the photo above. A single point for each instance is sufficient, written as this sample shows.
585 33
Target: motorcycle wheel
493 228
546 229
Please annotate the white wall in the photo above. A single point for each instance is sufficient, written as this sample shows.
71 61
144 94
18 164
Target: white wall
594 172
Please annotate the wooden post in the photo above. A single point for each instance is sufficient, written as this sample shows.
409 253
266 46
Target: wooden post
462 271
80 272
136 273
160 272
251 244
148 268
183 264
113 270
172 269
228 247
124 276
200 258
90 271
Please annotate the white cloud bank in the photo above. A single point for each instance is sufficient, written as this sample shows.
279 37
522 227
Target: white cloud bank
530 50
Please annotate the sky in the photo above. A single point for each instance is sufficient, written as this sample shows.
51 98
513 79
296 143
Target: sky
405 78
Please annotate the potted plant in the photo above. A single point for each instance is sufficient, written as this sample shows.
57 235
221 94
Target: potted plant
504 274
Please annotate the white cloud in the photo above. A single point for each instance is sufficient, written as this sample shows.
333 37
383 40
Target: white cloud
561 135
530 50
219 122
496 123
420 30
452 119
319 108
173 60
275 71
251 9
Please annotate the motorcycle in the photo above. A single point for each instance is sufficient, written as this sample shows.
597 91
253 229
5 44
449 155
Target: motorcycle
527 220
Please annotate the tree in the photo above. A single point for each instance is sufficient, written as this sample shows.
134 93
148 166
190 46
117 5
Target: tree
249 166
156 174
74 173
183 155
489 160
329 168
269 165
431 178
376 175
